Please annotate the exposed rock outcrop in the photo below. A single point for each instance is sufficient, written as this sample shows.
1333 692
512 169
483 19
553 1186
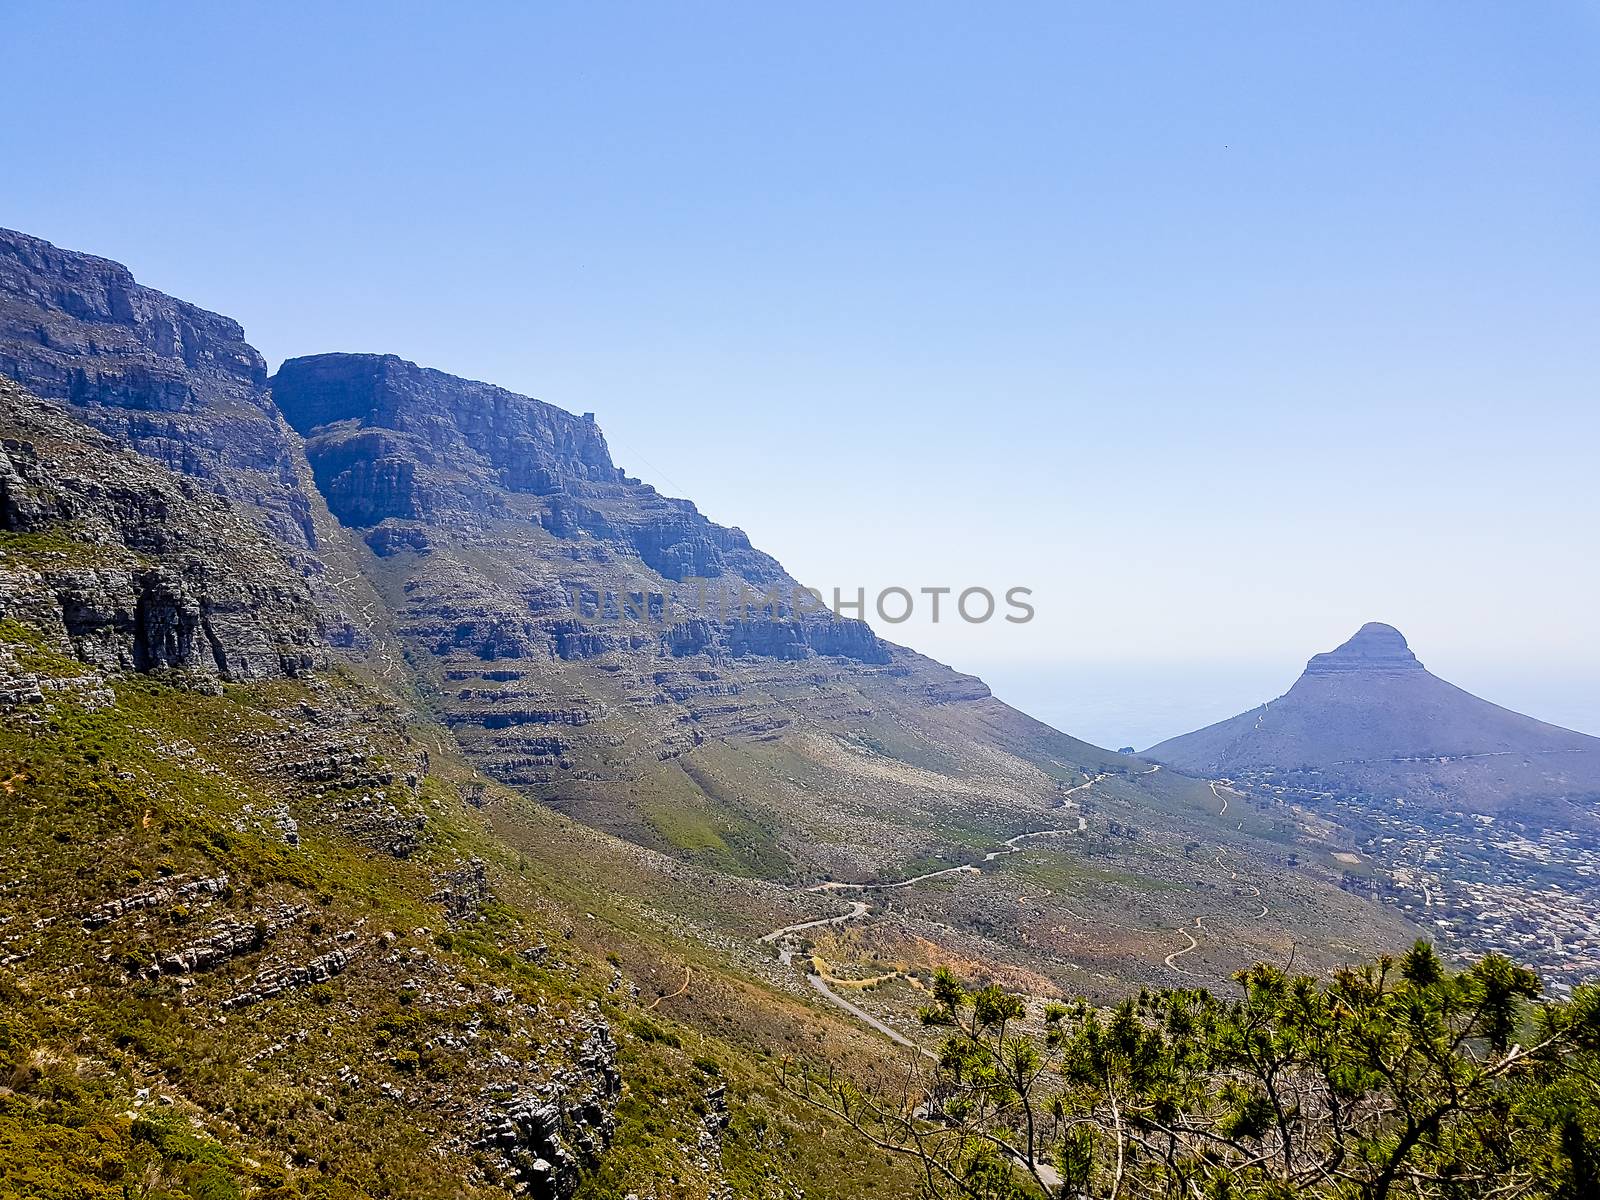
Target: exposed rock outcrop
277 980
541 1142
171 892
582 636
227 938
1376 647
463 891
130 567
389 440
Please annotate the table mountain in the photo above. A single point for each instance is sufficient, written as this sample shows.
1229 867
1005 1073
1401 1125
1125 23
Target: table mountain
1370 717
301 689
510 544
162 376
477 547
182 387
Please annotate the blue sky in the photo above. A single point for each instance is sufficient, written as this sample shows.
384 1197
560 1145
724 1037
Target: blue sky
1223 327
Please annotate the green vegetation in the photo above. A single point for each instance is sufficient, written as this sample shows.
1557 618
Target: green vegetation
120 1080
1395 1079
34 653
694 818
59 546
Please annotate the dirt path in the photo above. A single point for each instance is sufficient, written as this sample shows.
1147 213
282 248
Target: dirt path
788 945
1223 811
1170 961
784 937
1256 893
674 995
1194 943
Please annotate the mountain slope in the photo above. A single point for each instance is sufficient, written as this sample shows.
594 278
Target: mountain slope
176 383
479 552
767 741
480 546
182 387
1370 716
127 566
259 935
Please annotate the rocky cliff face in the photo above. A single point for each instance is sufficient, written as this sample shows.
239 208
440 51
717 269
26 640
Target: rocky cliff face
1375 649
127 566
391 442
513 549
389 439
522 543
176 383
180 386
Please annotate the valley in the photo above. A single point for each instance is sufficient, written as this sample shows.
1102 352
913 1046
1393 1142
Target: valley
597 602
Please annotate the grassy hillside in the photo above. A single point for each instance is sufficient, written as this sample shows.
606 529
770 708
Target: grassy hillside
279 825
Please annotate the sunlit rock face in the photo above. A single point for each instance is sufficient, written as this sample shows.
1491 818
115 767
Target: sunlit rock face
515 545
131 567
390 441
482 551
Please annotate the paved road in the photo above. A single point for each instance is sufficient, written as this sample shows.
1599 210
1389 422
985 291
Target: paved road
889 887
866 1018
860 908
1171 959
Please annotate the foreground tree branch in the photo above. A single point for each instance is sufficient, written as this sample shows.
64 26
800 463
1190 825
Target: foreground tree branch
1393 1079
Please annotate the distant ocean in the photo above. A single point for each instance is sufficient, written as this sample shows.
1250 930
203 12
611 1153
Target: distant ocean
1140 704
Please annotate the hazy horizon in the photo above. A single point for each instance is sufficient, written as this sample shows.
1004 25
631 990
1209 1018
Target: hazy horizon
1141 703
1224 333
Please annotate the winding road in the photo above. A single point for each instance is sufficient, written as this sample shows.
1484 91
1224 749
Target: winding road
788 945
1171 959
1223 811
1217 789
786 950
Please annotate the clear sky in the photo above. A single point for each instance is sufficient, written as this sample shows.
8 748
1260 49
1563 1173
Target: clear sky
1224 327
